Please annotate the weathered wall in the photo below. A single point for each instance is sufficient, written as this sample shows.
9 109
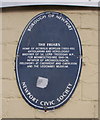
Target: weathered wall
84 102
0 64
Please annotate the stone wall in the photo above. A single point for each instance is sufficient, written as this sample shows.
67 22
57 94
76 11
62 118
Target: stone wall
0 63
84 101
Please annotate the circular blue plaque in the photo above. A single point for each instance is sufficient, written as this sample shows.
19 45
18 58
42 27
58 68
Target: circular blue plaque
48 60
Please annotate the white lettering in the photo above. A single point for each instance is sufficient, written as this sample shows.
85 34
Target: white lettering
47 103
65 93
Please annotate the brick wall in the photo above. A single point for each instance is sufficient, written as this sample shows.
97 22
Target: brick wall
84 102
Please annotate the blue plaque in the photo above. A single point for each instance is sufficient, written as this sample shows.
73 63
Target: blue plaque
48 60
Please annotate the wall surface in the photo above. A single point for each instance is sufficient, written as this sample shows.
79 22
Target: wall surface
0 64
84 101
